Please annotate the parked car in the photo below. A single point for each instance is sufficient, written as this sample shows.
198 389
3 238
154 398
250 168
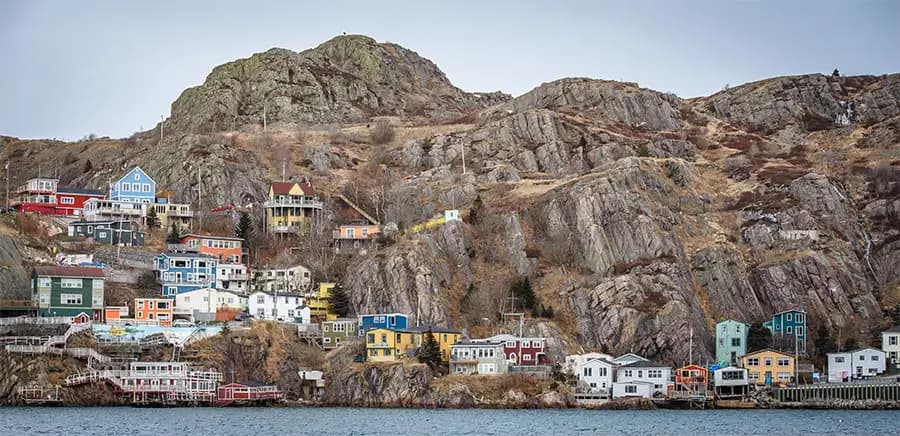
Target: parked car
182 323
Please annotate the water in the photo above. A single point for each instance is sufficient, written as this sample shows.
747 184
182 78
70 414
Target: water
347 421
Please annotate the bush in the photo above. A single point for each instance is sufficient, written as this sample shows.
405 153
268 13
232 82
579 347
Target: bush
382 133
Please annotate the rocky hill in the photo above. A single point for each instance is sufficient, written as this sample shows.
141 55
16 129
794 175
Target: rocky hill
636 215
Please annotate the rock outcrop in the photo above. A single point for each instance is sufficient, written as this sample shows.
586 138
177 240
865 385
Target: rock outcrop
347 79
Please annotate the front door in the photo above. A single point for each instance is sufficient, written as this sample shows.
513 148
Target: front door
768 378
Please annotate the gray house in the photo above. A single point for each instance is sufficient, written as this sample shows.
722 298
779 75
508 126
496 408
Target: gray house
112 232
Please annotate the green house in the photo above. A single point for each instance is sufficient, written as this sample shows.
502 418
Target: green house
68 291
335 333
731 341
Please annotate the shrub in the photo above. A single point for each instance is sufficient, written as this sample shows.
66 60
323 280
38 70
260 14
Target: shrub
382 133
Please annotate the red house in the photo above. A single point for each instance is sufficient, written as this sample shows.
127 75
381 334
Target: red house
45 197
240 393
523 351
691 380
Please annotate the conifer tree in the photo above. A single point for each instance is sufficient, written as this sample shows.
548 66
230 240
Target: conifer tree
339 301
244 228
152 219
758 337
430 351
174 236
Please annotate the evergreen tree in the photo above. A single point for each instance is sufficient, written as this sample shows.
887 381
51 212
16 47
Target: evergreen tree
522 290
824 341
174 236
339 301
244 227
430 351
758 337
152 219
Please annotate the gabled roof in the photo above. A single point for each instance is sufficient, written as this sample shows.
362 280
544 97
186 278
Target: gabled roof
796 309
284 188
186 254
894 329
731 320
856 350
69 271
769 350
645 364
600 360
631 355
136 169
478 343
357 209
384 314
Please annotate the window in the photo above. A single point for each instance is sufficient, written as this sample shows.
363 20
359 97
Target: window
70 283
839 359
588 372
862 357
768 361
735 342
789 330
630 389
752 375
874 358
799 331
754 361
799 317
146 187
365 231
784 376
654 373
627 373
187 298
783 361
526 357
892 340
70 299
788 317
510 344
351 233
126 186
327 340
44 282
66 200
526 344
260 299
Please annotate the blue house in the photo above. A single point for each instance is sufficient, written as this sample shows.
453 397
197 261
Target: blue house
731 341
789 327
382 321
135 187
182 272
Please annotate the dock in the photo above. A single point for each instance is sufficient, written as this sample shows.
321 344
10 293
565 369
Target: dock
835 391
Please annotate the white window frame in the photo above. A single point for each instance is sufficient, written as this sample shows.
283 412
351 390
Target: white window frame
70 299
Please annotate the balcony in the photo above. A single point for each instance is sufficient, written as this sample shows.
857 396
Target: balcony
234 277
114 211
302 203
284 229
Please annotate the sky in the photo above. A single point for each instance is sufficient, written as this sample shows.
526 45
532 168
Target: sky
69 69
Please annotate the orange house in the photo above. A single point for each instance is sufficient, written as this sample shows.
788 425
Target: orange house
153 311
356 228
113 314
691 380
226 249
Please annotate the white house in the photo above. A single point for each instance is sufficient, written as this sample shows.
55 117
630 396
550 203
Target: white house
478 357
596 376
656 374
232 277
575 361
855 365
280 307
890 344
282 279
202 304
629 358
634 388
731 381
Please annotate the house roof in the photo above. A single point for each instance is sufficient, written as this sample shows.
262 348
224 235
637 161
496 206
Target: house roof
342 320
631 355
644 364
634 382
69 271
187 254
385 314
357 209
284 188
894 329
86 222
600 360
278 294
509 337
855 351
731 320
479 343
434 329
137 169
82 191
195 235
764 350
796 309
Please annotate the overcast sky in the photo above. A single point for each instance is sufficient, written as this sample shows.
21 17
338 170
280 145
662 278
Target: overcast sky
70 68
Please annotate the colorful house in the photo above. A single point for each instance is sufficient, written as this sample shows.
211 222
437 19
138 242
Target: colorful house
356 228
134 187
182 272
691 381
45 197
319 306
227 249
478 357
339 331
168 212
730 381
115 314
291 208
68 291
731 341
768 366
789 328
523 351
154 311
388 345
113 232
382 320
445 338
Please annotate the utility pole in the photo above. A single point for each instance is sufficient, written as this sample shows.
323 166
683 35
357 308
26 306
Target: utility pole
199 204
691 347
283 169
462 149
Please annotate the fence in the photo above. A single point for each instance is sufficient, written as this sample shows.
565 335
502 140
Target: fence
36 320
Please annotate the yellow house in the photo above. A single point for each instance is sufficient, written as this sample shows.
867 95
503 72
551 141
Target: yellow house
445 338
387 345
291 207
768 366
319 307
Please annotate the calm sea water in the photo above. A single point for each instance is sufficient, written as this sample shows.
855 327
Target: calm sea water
348 421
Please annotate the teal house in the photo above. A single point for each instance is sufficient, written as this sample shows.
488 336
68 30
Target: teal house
789 328
68 291
731 341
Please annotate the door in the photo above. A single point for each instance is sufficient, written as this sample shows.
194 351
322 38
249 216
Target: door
768 378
